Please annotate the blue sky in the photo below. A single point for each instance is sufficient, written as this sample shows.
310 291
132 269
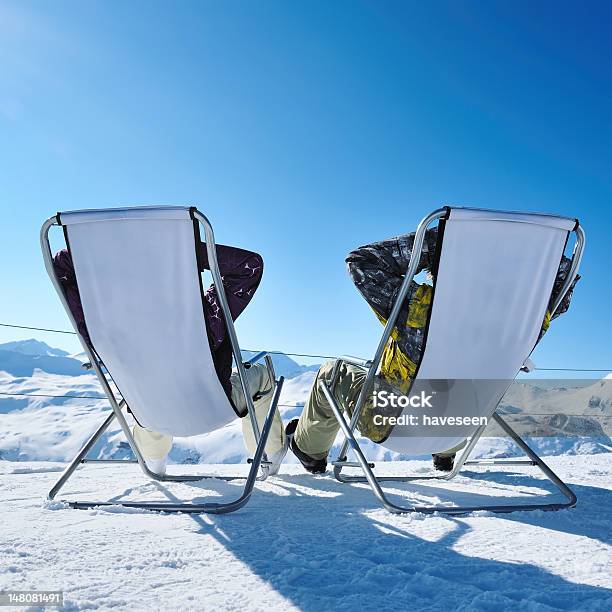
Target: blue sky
303 129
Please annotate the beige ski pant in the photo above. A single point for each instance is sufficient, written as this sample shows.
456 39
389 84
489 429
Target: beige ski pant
317 427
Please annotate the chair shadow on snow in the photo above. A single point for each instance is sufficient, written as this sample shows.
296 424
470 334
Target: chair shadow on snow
349 553
590 517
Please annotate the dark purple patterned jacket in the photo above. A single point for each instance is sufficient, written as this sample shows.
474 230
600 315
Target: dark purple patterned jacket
241 271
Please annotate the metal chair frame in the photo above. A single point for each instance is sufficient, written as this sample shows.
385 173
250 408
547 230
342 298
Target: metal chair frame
259 462
371 367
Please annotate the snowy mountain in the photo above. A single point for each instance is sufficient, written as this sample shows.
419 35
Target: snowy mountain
22 357
285 366
34 426
569 397
33 347
554 410
576 420
25 364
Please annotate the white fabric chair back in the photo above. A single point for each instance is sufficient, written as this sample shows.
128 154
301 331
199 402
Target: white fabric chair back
494 282
140 287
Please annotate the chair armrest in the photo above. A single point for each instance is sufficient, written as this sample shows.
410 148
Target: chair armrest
269 365
528 366
357 361
247 364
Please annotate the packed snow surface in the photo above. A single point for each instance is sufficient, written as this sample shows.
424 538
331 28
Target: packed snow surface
306 543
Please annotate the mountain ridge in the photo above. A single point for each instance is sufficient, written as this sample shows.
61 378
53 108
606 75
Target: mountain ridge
22 357
31 346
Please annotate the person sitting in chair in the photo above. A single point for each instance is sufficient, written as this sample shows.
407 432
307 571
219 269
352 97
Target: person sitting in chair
378 270
241 271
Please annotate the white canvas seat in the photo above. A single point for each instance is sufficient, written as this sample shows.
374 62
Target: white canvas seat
494 281
141 292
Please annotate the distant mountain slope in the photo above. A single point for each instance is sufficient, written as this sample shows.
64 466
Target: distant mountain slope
21 364
33 347
285 366
565 397
569 420
22 357
40 428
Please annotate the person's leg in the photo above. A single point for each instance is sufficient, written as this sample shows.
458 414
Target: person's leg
153 446
317 426
260 384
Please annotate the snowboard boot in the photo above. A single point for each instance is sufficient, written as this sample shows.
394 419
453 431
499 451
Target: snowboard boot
444 463
314 466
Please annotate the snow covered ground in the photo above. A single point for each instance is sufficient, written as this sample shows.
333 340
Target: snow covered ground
302 542
309 544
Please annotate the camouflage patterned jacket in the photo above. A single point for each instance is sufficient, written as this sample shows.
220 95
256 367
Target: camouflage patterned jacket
378 272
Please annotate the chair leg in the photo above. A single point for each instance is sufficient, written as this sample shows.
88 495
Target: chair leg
533 456
459 463
373 481
210 507
74 464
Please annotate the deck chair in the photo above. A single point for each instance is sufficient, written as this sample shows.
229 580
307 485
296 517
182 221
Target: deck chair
142 297
484 321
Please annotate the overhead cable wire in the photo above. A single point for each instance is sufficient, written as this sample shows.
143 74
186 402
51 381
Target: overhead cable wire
63 331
